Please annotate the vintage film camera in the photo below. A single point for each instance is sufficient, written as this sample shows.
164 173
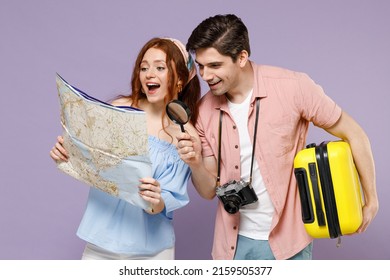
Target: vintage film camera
235 194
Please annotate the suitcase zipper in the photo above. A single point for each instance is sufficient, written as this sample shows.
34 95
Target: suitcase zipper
327 190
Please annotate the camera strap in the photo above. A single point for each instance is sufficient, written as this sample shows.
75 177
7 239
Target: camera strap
219 143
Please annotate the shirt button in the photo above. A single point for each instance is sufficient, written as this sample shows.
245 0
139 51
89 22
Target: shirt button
236 146
234 227
234 127
232 247
236 167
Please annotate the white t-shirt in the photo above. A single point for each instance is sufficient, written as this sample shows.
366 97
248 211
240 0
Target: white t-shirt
255 218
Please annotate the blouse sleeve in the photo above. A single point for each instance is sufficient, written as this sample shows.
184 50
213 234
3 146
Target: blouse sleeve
172 174
173 183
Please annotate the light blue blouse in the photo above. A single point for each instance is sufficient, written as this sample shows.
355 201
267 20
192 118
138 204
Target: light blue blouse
122 228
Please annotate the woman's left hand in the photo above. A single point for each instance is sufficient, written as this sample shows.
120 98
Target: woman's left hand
150 190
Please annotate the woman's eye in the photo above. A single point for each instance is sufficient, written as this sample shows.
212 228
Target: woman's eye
143 69
160 68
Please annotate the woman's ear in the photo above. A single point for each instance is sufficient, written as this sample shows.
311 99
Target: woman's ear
179 86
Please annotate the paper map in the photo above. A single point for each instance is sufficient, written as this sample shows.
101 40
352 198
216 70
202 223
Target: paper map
107 145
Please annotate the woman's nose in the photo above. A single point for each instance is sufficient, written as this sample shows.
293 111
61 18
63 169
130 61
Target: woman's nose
150 73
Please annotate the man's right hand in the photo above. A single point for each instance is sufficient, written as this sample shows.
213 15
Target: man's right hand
189 149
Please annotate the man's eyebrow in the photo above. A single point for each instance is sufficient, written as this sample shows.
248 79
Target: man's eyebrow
210 63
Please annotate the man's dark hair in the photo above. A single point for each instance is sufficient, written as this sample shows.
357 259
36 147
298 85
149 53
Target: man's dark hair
226 33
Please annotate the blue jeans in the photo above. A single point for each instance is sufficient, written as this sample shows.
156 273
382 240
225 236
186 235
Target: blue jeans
251 249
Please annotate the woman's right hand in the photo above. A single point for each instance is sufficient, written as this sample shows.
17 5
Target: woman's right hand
58 152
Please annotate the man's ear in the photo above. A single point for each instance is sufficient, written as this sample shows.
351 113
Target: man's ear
243 58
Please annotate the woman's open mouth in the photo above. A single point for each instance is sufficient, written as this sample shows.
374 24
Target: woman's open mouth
152 87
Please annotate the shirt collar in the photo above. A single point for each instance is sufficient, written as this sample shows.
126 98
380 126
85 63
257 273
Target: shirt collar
259 89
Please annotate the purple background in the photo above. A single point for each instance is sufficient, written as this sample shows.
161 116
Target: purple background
343 45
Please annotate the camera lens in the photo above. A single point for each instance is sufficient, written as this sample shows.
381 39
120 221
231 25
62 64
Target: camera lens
232 204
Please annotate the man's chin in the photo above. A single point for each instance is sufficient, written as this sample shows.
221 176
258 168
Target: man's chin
217 92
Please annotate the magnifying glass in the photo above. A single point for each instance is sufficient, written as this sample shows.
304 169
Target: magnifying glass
178 112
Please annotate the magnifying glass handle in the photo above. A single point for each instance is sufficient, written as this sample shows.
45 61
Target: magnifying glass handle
182 128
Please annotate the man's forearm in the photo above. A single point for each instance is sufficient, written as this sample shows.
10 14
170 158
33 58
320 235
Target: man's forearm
203 181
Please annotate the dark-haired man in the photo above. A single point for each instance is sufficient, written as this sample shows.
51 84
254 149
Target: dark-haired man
271 227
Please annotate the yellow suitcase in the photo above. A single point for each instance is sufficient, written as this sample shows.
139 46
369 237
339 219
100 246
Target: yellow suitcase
329 189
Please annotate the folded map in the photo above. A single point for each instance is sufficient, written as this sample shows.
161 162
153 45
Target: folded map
107 145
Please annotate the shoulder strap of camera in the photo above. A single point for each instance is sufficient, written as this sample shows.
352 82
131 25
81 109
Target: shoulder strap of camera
254 136
219 143
218 182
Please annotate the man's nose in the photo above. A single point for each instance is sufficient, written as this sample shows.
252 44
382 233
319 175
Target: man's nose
206 74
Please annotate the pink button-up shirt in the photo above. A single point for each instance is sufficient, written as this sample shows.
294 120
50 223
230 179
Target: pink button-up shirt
289 101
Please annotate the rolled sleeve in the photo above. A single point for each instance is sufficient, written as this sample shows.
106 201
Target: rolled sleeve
315 105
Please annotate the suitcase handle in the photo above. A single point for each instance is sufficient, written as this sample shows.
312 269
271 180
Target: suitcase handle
304 194
316 194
